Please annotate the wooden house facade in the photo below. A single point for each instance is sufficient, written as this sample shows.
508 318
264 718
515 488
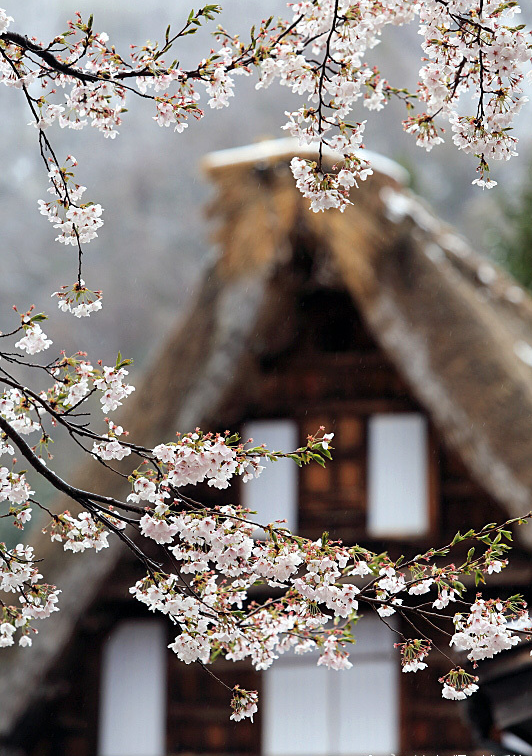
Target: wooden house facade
384 326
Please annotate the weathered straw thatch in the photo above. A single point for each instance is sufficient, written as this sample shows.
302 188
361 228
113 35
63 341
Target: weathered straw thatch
457 328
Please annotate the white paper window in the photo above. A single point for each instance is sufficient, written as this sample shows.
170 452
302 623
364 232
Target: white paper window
133 691
273 495
398 475
313 711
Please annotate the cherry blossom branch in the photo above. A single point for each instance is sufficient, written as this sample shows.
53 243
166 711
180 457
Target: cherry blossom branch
77 494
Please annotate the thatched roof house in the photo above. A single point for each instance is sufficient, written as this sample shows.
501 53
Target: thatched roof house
454 329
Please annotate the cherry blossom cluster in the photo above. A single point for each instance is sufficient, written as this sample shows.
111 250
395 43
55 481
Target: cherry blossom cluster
75 380
217 548
221 544
243 703
16 410
18 575
111 448
34 339
413 653
14 487
77 223
458 684
484 632
331 189
112 382
81 533
473 46
78 299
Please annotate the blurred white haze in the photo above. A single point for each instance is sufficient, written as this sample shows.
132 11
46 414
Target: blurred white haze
155 239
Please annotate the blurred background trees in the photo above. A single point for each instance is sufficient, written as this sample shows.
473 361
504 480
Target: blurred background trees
509 241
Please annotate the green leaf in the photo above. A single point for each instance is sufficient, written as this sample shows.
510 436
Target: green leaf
479 577
120 362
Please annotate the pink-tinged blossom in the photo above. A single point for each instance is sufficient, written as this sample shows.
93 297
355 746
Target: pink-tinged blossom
77 391
40 607
5 20
112 449
13 487
334 656
495 566
114 388
444 597
360 568
143 490
34 340
165 453
244 704
159 530
391 581
458 694
190 649
483 632
420 588
17 413
386 610
6 448
24 515
220 88
7 630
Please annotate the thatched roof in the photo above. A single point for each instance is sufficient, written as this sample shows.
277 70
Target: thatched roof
456 327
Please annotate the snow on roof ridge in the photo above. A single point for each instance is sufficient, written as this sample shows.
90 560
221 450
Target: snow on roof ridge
269 149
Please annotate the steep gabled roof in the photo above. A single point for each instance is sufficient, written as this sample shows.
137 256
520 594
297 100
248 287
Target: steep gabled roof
457 328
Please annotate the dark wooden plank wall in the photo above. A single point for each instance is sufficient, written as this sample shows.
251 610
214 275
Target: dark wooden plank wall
335 375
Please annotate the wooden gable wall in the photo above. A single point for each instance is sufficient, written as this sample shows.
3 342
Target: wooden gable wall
330 372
